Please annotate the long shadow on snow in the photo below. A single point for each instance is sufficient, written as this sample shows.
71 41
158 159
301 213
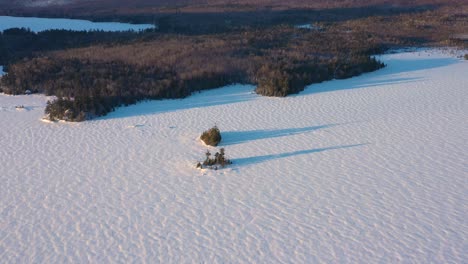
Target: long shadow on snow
227 95
264 158
386 76
242 93
238 137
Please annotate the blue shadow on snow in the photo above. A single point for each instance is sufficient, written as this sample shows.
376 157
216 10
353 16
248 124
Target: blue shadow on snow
238 137
264 158
228 95
385 76
243 93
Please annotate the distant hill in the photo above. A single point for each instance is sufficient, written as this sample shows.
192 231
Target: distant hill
42 3
78 7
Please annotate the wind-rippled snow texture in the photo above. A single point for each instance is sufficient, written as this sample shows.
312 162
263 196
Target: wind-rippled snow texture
365 170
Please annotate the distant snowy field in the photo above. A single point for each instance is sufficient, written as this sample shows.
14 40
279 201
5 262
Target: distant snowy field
42 24
371 169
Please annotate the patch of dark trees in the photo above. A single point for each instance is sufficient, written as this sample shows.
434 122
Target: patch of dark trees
218 161
88 89
20 43
285 79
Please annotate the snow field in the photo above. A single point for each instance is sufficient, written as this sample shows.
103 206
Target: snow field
369 169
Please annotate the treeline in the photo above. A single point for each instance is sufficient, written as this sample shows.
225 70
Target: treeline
19 43
283 79
192 17
151 7
88 89
92 81
238 17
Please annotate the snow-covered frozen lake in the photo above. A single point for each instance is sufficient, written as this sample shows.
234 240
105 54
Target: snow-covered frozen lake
42 24
371 169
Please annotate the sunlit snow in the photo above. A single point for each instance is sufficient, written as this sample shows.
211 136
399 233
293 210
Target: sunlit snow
365 170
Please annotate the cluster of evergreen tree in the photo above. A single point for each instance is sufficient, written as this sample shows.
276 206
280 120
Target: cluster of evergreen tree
212 162
284 79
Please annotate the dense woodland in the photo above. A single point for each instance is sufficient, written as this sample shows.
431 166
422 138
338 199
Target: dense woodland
21 43
92 73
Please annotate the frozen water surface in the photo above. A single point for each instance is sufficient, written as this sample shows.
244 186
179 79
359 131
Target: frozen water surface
371 169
